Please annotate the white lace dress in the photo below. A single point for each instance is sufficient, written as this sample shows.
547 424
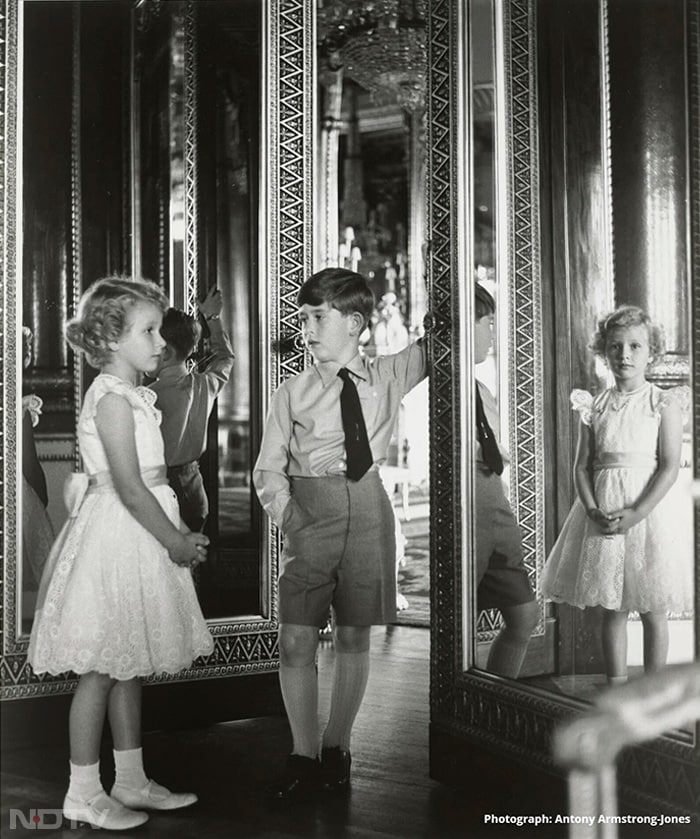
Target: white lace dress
650 567
111 600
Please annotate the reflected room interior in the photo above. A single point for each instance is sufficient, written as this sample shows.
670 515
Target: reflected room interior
164 108
596 177
371 196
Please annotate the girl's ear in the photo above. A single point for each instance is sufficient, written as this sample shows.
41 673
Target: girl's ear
113 345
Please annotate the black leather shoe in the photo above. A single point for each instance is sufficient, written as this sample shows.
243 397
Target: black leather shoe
335 769
301 780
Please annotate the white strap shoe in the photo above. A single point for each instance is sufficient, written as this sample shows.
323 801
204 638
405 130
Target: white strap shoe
102 811
153 797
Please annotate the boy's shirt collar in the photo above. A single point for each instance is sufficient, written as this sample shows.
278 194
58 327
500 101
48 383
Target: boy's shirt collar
172 371
328 370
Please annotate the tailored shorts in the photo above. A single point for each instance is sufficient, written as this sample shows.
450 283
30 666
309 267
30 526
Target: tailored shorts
186 482
339 550
501 576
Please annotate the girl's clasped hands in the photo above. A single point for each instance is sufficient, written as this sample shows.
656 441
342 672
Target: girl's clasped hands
615 523
191 551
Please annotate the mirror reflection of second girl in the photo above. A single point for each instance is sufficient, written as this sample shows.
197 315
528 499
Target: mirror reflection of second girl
627 543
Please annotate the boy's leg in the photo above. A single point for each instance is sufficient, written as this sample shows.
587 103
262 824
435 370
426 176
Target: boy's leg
655 640
299 684
614 636
349 683
508 650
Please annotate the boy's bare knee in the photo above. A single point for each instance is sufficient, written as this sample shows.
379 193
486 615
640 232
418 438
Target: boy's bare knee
297 644
352 639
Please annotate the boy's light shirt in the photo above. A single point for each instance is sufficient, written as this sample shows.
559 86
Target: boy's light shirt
303 435
186 400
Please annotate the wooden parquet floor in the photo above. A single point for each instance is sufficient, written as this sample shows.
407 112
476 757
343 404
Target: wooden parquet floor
230 764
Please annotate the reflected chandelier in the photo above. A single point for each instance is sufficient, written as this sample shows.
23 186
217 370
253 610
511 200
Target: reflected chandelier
380 44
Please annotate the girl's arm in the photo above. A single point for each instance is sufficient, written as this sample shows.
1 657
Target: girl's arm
669 459
114 420
582 480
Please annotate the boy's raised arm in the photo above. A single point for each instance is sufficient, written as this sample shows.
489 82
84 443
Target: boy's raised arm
409 366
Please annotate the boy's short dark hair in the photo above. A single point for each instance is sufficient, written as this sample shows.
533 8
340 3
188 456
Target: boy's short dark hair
484 304
181 332
345 290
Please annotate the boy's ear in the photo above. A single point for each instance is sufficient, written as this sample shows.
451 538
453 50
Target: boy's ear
358 323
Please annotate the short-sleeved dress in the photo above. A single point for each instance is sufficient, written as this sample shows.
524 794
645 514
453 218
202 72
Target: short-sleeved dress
650 567
111 600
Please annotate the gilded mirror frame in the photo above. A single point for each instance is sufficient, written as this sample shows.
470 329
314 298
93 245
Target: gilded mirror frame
467 704
243 646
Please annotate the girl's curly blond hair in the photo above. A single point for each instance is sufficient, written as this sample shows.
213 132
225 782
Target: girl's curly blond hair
102 313
625 316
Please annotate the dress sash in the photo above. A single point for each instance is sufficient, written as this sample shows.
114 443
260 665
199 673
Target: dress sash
624 460
80 484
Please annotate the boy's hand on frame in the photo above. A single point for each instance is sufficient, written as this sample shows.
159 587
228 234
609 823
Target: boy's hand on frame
212 304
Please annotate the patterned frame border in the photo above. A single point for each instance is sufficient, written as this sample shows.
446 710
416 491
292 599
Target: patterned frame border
473 706
241 647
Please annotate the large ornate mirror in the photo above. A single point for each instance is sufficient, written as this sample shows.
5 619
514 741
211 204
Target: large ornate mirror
585 219
197 163
181 180
370 197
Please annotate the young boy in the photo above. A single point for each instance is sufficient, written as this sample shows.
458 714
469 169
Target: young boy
502 581
317 477
187 398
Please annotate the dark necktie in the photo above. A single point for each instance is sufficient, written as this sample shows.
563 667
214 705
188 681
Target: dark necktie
359 454
490 453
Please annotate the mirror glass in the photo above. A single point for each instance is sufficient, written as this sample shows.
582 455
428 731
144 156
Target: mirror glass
372 65
576 642
164 185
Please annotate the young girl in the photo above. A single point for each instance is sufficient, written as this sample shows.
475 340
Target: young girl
117 600
627 542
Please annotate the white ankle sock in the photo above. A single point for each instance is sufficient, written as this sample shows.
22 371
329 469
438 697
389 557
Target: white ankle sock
128 764
617 680
85 781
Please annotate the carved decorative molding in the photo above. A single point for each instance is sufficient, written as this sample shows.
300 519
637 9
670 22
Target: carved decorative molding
192 292
446 503
8 281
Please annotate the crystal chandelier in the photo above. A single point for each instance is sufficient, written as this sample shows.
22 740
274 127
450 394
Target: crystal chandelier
381 45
